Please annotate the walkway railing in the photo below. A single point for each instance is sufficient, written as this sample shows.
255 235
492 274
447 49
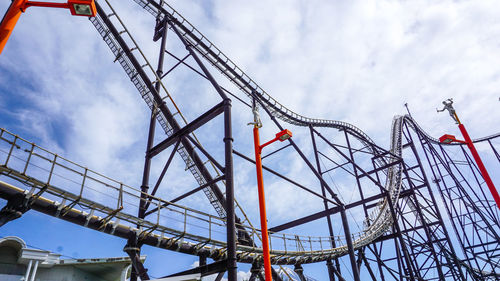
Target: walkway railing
71 186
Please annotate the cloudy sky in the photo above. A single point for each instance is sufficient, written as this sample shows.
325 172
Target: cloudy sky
355 61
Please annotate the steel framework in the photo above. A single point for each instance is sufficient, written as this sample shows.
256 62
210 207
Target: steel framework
404 234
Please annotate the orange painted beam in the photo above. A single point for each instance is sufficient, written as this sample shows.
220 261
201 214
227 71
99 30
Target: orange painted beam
84 8
9 21
262 206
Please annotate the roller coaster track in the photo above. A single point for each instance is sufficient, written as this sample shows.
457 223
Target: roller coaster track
64 189
106 201
27 163
246 84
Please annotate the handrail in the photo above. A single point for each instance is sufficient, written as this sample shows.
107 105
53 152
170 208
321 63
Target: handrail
37 163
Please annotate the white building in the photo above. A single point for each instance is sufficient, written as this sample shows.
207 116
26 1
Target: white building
19 263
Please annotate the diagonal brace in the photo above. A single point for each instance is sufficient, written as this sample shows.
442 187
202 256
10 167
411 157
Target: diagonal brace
189 128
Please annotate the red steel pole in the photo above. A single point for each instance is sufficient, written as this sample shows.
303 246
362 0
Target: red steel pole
262 206
480 164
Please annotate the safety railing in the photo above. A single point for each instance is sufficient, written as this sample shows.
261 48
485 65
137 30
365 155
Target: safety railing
72 186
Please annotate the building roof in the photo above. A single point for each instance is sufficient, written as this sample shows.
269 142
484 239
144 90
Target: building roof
106 268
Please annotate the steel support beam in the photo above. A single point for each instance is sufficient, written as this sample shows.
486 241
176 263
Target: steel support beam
160 178
161 105
191 192
186 130
16 206
328 212
304 158
300 272
133 249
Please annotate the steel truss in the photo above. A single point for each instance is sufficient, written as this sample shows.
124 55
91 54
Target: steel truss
474 216
404 235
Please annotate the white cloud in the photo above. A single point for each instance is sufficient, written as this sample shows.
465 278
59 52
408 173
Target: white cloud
356 61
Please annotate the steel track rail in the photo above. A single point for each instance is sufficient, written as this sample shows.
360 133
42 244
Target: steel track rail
154 234
207 246
243 81
381 219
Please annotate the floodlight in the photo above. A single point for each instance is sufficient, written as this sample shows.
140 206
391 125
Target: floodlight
447 139
82 8
284 135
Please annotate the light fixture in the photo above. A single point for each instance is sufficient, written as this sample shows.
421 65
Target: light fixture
84 8
449 139
284 135
446 139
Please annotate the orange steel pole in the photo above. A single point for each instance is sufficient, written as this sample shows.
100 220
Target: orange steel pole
9 21
262 205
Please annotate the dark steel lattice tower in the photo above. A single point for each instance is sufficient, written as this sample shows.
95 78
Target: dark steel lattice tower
392 226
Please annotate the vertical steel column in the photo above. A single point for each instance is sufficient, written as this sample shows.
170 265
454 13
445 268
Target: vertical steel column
152 127
151 135
228 169
325 203
133 249
300 272
350 246
358 183
420 217
398 257
203 261
425 226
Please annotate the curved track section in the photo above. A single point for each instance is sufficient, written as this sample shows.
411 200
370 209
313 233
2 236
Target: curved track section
65 186
243 81
61 188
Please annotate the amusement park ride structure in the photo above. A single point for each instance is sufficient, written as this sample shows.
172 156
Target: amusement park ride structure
404 235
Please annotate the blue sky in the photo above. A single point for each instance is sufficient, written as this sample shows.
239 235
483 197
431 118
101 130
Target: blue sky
356 61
